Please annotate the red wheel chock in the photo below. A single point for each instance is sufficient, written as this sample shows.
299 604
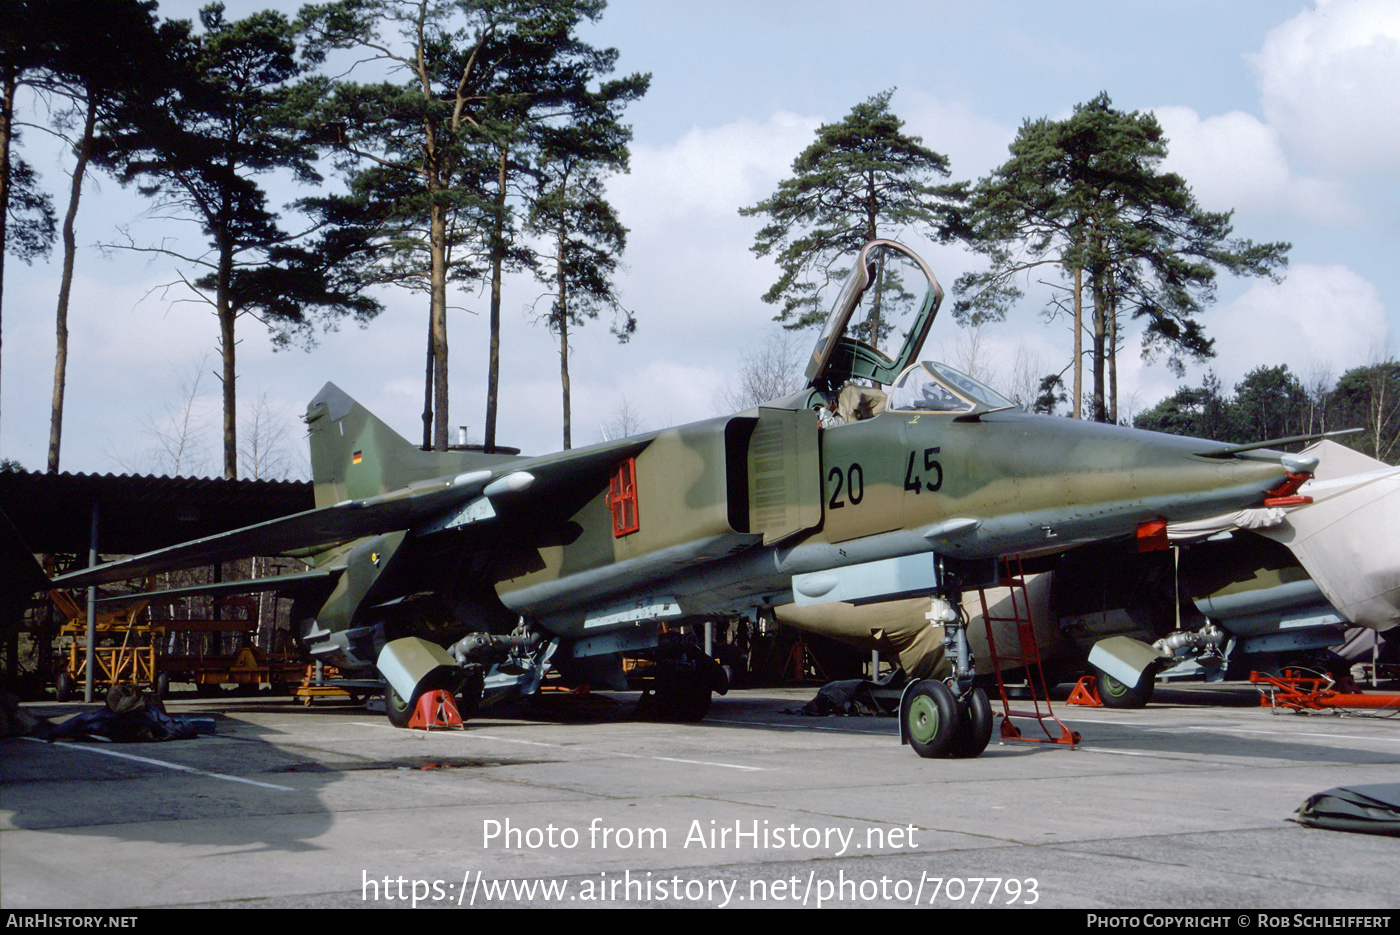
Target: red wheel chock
1086 693
435 709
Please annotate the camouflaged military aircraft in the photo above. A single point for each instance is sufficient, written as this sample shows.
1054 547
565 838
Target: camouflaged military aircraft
480 572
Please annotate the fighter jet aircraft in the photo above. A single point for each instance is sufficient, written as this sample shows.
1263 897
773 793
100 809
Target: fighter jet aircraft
480 572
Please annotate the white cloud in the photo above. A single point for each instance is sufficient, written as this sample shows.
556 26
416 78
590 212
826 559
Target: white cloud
1235 162
1330 78
710 171
1319 316
973 144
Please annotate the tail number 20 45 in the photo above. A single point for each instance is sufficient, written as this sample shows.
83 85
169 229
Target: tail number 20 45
851 482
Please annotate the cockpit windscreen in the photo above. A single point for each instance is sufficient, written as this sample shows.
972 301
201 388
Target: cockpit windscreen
933 387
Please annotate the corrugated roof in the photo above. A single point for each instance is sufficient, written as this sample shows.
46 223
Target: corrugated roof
138 513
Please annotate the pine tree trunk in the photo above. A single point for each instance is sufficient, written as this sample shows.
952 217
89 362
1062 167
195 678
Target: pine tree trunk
1078 407
65 288
564 338
7 113
438 285
1113 360
223 303
498 247
1100 341
428 386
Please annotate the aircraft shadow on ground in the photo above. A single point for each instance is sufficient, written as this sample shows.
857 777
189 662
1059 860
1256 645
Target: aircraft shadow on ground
175 791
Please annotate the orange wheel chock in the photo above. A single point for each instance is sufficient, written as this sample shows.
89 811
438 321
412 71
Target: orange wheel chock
435 709
1086 693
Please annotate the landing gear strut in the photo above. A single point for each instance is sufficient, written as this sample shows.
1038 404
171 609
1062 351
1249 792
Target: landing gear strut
953 719
681 683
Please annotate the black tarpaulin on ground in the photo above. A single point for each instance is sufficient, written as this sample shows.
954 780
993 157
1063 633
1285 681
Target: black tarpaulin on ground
129 716
854 697
1368 809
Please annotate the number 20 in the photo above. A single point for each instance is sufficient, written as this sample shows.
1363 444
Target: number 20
855 486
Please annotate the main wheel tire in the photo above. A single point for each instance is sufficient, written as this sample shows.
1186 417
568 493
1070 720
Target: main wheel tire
931 718
680 697
685 698
64 686
1115 694
163 685
398 711
975 731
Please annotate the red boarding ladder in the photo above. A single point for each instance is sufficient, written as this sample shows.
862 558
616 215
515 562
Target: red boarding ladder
1028 657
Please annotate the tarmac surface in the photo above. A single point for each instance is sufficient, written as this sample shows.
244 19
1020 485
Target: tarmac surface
1180 805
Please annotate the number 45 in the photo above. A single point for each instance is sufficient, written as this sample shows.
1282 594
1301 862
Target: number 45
916 482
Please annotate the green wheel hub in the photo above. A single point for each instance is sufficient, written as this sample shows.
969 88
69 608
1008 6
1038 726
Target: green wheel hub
923 719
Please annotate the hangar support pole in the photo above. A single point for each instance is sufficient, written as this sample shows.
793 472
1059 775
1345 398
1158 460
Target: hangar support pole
91 608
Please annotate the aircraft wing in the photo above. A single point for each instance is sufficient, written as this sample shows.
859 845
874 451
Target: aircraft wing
278 583
428 505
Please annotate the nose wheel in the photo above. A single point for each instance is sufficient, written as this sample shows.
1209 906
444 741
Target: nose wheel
929 718
936 723
975 730
938 720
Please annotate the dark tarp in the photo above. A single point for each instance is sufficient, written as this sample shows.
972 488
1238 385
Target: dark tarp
1368 809
129 716
854 697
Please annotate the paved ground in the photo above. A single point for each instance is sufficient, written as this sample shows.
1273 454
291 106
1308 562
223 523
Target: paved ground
1175 806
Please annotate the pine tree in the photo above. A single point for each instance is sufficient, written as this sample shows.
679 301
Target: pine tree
862 179
1084 196
95 67
1270 402
581 235
433 159
1197 412
230 116
1369 397
26 213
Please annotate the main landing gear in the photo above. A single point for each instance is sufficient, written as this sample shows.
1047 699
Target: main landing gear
1115 694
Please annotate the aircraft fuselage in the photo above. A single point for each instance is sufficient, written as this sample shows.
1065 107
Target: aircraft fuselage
898 484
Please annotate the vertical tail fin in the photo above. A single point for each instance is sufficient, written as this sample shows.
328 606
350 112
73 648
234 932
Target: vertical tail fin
354 454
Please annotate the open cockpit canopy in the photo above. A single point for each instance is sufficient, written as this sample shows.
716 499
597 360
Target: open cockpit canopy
879 321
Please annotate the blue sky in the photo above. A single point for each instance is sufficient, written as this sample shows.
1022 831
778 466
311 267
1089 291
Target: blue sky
1284 112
